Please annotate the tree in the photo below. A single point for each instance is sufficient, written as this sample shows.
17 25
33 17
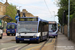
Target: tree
11 11
63 4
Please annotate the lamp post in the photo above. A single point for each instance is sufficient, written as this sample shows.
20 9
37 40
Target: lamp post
18 7
68 19
54 15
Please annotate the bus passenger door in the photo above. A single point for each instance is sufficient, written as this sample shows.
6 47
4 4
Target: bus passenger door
40 30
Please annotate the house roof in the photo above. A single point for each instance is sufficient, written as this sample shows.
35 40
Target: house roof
6 18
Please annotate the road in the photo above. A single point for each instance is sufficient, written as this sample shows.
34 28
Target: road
8 43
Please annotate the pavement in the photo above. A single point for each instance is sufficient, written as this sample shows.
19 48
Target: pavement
63 43
4 34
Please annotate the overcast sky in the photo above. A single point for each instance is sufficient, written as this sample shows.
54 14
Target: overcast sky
38 8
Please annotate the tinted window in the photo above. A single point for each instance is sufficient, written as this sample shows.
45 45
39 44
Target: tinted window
10 26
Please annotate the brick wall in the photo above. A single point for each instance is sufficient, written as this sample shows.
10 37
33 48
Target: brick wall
72 30
65 30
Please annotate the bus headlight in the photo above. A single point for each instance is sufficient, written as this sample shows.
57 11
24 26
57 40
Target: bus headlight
18 36
34 36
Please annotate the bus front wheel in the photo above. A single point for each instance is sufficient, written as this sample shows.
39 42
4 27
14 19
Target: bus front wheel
17 41
0 37
38 40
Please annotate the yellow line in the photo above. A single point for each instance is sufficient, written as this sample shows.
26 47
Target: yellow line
40 45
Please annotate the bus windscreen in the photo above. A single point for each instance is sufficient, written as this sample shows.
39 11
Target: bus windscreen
27 27
52 27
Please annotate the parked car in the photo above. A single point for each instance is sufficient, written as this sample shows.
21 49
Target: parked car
1 32
11 29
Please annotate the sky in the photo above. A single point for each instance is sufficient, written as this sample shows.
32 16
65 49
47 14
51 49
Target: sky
45 9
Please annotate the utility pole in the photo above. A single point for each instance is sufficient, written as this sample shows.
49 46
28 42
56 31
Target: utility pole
54 15
63 21
68 19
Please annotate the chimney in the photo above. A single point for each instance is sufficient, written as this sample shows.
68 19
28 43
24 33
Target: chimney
6 0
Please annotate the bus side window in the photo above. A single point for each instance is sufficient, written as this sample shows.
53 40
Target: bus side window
45 27
39 29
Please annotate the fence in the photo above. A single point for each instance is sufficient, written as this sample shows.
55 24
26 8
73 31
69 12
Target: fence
72 30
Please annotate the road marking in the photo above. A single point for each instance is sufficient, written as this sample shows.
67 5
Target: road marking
22 46
9 47
17 48
40 45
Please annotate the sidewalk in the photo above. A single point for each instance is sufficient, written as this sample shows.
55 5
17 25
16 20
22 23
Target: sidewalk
4 34
63 43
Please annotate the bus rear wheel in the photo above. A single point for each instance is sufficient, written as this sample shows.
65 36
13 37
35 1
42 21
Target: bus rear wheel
14 34
8 34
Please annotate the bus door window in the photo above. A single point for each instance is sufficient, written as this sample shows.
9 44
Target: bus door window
54 27
50 27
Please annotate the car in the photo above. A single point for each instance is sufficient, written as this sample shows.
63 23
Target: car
1 32
11 29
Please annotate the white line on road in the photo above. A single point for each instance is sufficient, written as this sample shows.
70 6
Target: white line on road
9 47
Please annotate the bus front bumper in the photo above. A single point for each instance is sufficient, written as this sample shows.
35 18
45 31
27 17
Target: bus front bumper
53 34
27 39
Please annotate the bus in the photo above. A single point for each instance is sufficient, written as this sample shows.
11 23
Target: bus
11 28
53 29
31 29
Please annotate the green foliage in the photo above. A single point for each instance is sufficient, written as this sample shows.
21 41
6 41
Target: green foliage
63 4
11 11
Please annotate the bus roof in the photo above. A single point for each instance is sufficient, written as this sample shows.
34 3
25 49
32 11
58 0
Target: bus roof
39 19
52 22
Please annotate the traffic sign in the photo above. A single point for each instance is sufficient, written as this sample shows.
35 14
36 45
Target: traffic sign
0 22
17 17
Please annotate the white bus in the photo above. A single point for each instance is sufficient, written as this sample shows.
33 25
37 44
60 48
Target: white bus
53 29
31 29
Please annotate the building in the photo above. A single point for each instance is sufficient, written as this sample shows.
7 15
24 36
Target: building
3 11
4 18
3 7
27 14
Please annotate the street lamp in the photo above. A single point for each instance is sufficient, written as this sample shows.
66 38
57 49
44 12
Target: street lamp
68 19
18 7
54 15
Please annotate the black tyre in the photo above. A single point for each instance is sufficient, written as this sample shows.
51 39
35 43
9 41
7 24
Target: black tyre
0 37
17 41
57 36
8 34
14 34
38 40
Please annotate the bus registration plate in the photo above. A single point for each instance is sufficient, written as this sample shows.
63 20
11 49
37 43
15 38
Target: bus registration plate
26 39
8 32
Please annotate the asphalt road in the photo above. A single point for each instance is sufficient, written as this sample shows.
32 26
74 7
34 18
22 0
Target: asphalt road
9 43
